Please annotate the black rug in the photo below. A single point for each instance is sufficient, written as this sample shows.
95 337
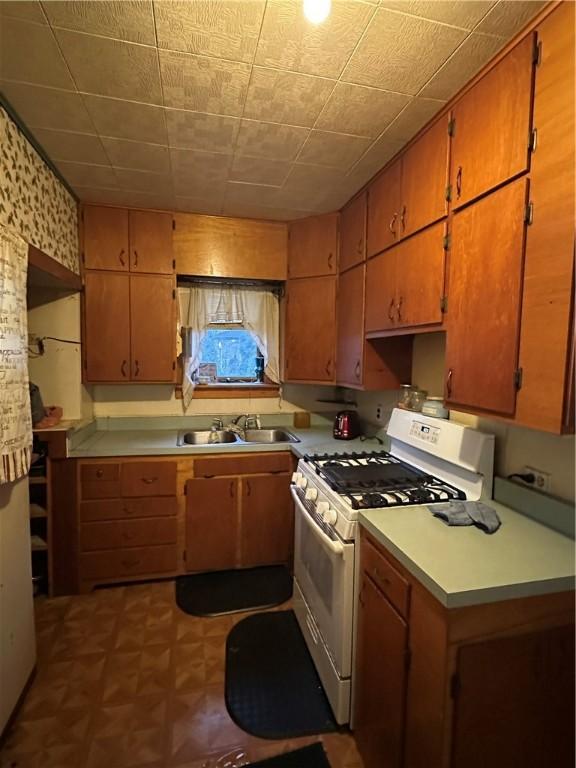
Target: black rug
210 594
272 688
307 757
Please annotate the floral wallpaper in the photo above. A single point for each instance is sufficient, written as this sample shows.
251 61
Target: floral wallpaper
33 202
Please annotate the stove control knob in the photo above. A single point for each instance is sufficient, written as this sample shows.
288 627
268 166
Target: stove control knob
312 494
322 508
302 482
295 477
330 516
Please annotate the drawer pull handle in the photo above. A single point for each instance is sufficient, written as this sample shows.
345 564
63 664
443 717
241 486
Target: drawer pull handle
459 182
123 368
403 218
135 258
357 370
330 261
99 473
391 310
149 480
392 225
130 563
120 256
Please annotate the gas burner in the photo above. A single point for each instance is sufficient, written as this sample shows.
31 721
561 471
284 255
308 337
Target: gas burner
371 500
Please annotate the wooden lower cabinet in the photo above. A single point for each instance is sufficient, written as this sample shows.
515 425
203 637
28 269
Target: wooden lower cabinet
238 521
267 520
483 685
211 523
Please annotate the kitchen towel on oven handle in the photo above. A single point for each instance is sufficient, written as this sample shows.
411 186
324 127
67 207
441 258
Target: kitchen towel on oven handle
468 513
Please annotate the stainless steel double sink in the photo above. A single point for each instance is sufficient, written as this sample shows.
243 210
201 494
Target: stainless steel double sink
223 436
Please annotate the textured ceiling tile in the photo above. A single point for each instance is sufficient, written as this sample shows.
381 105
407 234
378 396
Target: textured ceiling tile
243 193
158 200
29 11
456 12
123 19
143 181
400 53
198 173
137 155
127 120
30 54
219 28
334 149
200 205
99 195
83 175
360 110
75 147
509 16
109 67
259 170
286 97
195 130
289 41
247 211
409 122
308 187
370 163
270 140
48 107
474 52
202 84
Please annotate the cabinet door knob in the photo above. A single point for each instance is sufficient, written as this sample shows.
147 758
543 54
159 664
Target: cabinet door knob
328 367
392 224
391 310
121 257
136 368
99 473
330 261
449 382
123 368
403 218
459 182
135 258
399 308
357 370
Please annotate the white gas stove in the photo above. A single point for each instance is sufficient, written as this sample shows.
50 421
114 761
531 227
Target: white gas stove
430 461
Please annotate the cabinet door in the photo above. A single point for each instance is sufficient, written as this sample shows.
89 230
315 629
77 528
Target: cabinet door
485 289
420 278
153 328
381 291
353 233
313 246
381 678
105 238
106 327
492 127
310 332
383 224
424 179
351 326
211 523
151 242
267 520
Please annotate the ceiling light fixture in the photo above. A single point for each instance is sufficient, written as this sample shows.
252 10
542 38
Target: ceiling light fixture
317 11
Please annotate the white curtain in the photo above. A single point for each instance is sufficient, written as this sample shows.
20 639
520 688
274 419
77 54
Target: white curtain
255 309
16 422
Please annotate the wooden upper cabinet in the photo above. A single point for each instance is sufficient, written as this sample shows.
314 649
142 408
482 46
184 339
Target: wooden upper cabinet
353 233
350 351
267 527
217 246
484 303
211 523
151 242
425 179
384 202
313 246
153 328
420 278
310 330
381 292
106 346
105 238
492 124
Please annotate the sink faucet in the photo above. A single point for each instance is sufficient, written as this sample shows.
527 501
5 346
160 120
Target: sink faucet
250 422
217 423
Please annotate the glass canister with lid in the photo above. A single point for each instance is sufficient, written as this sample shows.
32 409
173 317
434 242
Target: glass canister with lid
434 406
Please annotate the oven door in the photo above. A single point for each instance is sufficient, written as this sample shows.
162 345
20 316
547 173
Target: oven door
324 570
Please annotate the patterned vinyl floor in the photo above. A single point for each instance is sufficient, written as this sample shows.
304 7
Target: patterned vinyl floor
126 680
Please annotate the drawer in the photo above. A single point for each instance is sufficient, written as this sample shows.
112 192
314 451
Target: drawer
118 534
121 509
128 562
148 478
99 480
243 465
386 577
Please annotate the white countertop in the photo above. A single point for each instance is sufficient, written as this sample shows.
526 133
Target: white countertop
464 566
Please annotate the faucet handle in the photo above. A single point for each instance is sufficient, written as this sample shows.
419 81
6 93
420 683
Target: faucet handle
217 423
254 421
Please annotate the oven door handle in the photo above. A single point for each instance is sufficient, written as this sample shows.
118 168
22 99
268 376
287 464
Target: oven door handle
336 547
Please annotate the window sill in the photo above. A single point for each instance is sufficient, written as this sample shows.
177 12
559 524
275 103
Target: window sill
234 390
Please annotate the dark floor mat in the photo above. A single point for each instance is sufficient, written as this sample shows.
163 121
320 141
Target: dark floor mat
307 757
272 688
210 594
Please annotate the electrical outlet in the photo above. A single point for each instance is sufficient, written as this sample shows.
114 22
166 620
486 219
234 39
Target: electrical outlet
379 414
541 479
